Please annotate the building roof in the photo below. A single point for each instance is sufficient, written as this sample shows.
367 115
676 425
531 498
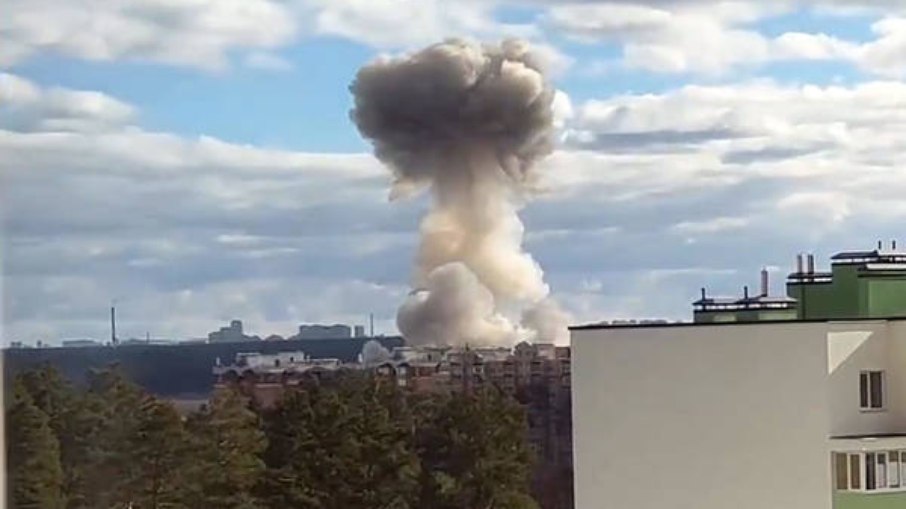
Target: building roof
594 326
875 255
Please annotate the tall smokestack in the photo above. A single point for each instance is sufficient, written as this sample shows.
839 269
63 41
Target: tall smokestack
764 282
811 263
799 265
113 325
468 122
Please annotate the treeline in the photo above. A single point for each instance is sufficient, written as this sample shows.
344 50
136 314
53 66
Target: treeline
356 442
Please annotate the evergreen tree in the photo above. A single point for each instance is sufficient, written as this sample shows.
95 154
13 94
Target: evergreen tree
227 446
75 423
35 477
110 471
160 456
474 452
342 446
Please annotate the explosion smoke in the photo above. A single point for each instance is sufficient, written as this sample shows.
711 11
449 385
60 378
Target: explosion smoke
467 121
373 353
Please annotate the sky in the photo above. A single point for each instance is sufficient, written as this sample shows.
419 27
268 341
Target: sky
194 161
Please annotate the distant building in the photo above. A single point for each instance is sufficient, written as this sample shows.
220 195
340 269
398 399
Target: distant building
536 375
360 331
265 377
79 343
274 337
230 334
317 331
860 285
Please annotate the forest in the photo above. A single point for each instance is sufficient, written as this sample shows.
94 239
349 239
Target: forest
355 442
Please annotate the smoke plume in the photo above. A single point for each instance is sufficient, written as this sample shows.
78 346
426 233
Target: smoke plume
374 353
467 121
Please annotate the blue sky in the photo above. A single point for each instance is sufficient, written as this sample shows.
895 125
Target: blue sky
195 160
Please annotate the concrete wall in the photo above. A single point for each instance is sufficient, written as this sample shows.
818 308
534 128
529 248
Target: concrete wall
854 347
701 417
896 374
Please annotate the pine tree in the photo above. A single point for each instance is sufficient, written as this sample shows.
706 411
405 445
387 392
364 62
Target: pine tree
110 471
35 476
160 455
227 444
474 452
75 423
341 446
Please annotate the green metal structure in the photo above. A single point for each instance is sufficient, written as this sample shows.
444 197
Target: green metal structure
860 284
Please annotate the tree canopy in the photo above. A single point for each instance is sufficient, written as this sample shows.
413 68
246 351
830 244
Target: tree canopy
354 442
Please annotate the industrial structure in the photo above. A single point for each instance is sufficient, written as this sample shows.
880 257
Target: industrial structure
860 284
794 402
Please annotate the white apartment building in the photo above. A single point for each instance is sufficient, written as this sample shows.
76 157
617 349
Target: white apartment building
763 415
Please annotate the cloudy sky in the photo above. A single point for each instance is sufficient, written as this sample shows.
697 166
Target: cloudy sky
194 159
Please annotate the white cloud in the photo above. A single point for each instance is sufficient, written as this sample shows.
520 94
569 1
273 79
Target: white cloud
886 55
713 38
26 107
184 32
715 225
267 61
410 23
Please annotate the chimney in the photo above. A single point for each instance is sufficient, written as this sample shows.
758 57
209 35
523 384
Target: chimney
703 294
113 325
811 263
764 282
879 245
799 263
745 292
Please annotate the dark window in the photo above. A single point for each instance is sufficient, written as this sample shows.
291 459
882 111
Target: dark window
863 390
870 471
871 390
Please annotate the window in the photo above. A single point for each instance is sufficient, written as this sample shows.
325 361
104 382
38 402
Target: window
871 390
903 467
855 471
893 469
870 471
881 476
883 471
841 469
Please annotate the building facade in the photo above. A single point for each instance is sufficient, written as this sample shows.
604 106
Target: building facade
783 402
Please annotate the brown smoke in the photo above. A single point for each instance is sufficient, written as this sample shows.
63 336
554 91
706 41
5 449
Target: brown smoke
468 121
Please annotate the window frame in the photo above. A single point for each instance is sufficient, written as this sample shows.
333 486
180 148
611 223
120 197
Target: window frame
866 468
867 394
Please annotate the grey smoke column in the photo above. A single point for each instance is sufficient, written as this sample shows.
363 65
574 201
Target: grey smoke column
467 121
